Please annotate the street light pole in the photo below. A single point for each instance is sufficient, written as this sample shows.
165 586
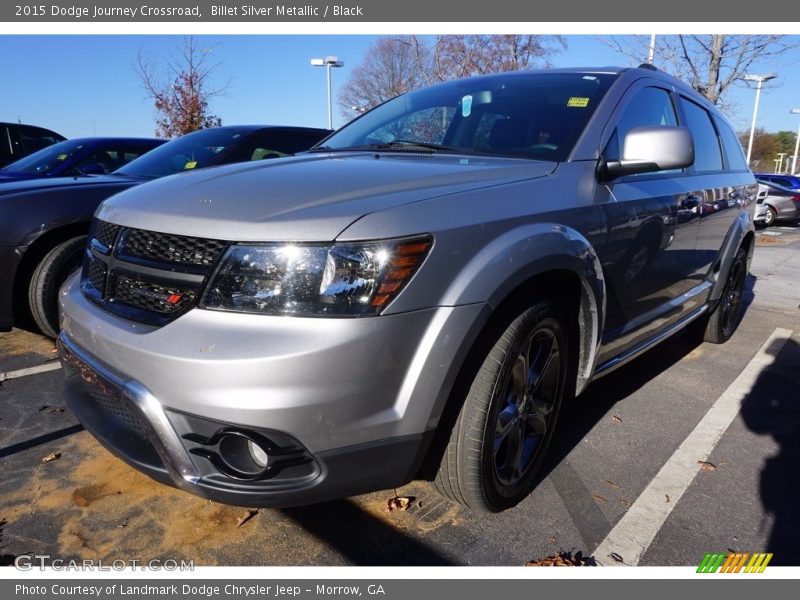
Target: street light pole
328 62
795 111
651 54
759 79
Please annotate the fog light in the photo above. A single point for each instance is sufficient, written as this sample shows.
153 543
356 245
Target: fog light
257 454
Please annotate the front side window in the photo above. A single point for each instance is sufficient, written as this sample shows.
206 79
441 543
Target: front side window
526 115
706 143
649 107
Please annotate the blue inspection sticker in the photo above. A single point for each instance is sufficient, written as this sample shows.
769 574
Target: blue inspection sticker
466 106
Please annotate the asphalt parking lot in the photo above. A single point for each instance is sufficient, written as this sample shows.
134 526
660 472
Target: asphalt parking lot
613 449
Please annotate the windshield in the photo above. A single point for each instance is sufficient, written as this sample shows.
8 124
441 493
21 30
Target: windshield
530 115
191 151
47 159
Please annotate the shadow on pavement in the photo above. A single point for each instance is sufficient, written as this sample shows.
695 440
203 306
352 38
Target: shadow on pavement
361 538
772 407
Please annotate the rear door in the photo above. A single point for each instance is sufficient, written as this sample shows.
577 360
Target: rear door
722 192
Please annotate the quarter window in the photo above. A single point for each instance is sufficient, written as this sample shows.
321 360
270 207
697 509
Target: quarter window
706 143
648 107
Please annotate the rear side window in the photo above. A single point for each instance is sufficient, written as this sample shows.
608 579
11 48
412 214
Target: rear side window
34 139
707 156
648 107
733 149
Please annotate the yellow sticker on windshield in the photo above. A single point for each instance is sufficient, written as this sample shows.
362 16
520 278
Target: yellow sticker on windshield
190 165
578 102
61 157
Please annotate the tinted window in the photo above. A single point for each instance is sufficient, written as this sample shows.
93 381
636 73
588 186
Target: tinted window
648 107
706 143
34 139
191 151
528 115
733 148
272 146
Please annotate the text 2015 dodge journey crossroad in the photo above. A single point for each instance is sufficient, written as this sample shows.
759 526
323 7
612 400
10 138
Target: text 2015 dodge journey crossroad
415 297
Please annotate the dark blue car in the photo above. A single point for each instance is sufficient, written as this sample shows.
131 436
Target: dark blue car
80 156
788 181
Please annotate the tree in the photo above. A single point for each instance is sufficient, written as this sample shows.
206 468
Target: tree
711 64
456 56
181 92
765 149
398 64
391 68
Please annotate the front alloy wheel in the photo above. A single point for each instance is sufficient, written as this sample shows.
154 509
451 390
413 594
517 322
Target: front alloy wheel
507 420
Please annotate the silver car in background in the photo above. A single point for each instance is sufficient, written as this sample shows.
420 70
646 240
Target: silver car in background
415 297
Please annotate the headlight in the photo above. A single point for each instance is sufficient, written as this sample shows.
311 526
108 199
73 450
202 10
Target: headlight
314 279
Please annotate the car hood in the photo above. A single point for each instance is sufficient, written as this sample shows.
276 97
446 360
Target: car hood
6 176
303 198
46 183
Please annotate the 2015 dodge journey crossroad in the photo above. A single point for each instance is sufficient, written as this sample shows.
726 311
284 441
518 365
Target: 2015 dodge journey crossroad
414 297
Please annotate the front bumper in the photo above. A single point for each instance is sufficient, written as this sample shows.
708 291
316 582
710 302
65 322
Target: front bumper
353 401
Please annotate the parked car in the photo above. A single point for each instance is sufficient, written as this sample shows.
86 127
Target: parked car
45 221
77 157
414 297
18 140
778 204
788 181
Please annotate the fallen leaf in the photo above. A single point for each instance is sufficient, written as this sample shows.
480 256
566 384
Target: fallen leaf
616 419
667 495
51 457
596 497
564 559
246 517
123 524
707 466
613 484
616 557
398 503
51 409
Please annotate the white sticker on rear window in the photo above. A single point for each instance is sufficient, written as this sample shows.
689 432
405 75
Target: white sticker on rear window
466 106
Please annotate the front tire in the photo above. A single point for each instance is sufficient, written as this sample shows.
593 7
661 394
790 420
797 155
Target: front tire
507 420
48 276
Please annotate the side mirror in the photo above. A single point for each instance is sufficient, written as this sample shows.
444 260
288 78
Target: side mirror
651 149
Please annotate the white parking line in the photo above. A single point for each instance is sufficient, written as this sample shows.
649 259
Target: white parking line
632 535
51 366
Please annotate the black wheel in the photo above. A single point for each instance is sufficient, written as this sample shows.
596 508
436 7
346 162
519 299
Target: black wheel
507 420
769 218
48 276
724 319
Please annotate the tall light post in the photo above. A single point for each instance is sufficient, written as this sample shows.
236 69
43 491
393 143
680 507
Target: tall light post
651 54
328 62
759 79
795 111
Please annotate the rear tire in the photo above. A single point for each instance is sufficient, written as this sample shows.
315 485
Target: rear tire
507 420
724 319
47 278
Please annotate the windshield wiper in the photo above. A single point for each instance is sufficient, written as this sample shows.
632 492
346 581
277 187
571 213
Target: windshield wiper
412 146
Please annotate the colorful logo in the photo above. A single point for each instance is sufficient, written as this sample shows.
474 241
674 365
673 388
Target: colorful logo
734 562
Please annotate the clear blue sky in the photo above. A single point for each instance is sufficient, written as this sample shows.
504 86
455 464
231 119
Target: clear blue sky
83 85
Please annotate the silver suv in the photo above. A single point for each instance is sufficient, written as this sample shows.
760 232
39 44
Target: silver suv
415 297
